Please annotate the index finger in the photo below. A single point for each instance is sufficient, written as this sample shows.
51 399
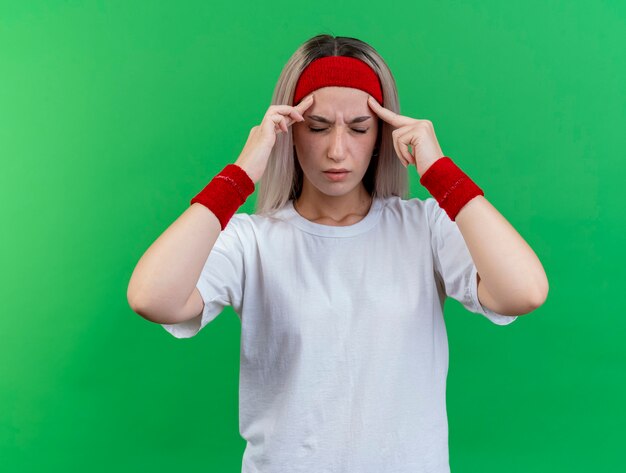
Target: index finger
305 103
387 115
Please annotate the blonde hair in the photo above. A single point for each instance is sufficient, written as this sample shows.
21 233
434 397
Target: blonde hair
282 178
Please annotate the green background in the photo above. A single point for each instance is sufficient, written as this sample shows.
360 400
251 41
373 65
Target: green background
113 115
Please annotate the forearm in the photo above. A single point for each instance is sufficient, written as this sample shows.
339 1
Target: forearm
508 267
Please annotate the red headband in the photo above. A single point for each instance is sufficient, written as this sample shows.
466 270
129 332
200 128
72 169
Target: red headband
342 71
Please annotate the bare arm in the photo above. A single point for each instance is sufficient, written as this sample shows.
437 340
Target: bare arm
162 288
165 276
512 280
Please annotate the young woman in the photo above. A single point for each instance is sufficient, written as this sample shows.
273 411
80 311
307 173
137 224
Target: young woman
339 280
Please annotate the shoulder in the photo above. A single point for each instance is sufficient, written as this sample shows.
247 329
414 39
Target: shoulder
239 228
250 225
414 209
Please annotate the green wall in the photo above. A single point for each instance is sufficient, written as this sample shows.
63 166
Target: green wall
113 115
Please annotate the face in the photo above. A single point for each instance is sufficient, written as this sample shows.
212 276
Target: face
339 131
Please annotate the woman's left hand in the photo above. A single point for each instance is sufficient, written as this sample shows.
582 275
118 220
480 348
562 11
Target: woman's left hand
420 134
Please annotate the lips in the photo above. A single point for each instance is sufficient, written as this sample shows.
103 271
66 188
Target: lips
336 176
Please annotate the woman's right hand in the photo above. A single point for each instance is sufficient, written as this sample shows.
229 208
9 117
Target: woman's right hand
261 140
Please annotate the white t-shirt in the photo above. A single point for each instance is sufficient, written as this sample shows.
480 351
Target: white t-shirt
344 350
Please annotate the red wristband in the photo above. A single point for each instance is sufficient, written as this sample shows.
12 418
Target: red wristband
450 186
226 192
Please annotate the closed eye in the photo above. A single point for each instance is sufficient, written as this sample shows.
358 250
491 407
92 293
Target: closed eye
316 130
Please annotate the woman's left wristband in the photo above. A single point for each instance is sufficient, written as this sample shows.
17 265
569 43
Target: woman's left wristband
449 185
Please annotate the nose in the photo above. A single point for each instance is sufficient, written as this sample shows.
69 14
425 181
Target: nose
337 145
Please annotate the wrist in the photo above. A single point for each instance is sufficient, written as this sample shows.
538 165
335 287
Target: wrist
226 192
423 170
449 185
247 168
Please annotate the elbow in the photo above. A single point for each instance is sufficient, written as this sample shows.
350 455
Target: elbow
140 308
133 302
155 312
534 299
146 312
539 296
542 288
137 307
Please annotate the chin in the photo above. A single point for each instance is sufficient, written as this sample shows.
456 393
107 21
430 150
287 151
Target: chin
337 190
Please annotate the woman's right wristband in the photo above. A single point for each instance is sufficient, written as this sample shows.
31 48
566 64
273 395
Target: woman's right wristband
226 192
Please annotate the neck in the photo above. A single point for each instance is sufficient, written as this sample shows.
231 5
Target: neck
334 210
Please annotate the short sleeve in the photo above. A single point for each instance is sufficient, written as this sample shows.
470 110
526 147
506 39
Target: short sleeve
221 281
454 265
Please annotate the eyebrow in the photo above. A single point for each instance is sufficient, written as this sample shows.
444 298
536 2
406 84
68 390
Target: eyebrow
318 118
